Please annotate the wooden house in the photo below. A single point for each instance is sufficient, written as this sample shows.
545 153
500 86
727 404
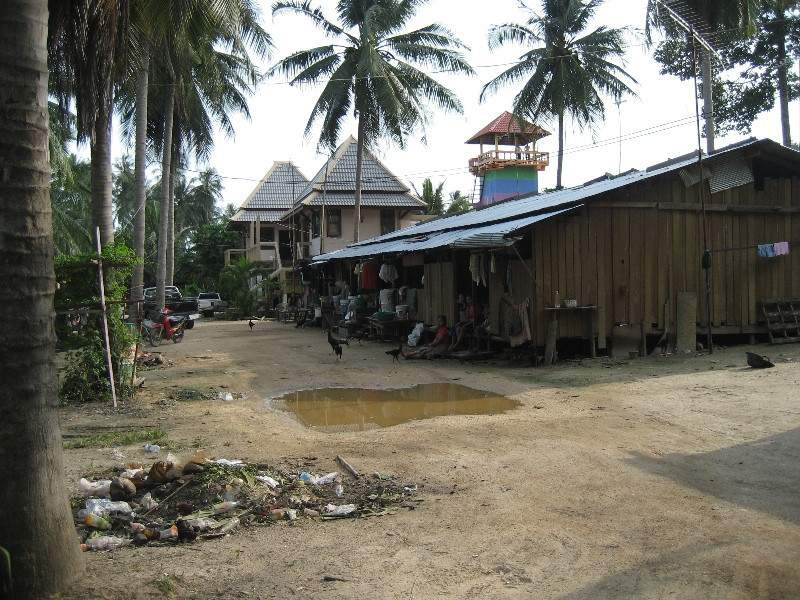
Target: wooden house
682 247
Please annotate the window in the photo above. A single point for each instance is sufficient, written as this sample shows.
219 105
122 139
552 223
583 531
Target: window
387 221
315 224
334 218
267 234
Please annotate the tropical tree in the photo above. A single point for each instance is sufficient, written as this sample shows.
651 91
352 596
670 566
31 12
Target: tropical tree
735 18
37 533
759 65
86 46
372 72
458 204
563 72
433 197
71 202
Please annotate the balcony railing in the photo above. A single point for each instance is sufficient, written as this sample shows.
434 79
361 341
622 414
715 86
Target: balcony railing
499 159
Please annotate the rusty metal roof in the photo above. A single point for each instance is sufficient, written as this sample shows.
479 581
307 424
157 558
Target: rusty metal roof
507 131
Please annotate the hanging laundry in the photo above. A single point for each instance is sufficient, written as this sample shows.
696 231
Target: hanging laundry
766 250
781 248
518 326
485 270
493 265
369 276
388 272
474 267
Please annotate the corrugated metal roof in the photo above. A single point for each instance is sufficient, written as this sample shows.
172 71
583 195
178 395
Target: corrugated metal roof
490 236
541 203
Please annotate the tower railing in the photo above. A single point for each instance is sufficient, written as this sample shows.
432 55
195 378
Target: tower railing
500 159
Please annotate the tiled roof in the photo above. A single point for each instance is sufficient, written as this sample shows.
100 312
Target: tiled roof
505 128
249 216
368 199
341 175
277 189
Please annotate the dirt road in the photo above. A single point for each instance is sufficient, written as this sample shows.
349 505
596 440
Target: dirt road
662 477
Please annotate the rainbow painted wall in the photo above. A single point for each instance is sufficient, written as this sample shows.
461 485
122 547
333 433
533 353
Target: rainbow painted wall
508 182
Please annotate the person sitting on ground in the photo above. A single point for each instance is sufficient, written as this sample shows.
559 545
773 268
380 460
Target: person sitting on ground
439 344
461 307
465 325
482 327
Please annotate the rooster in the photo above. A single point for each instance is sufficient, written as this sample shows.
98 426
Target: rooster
757 361
338 350
301 321
395 352
335 341
250 322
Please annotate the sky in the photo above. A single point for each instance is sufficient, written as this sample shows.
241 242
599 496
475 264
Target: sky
641 131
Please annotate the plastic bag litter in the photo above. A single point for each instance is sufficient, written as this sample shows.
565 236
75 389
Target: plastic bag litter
342 509
229 463
268 480
103 507
416 333
94 488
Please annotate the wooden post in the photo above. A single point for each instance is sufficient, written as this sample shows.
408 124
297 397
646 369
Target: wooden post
105 319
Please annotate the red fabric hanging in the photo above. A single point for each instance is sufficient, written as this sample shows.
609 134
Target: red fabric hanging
369 276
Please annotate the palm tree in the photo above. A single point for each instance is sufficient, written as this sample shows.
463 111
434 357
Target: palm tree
714 15
563 72
36 526
458 204
86 48
372 73
434 198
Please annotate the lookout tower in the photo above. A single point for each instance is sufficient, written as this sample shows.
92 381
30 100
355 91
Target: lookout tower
504 172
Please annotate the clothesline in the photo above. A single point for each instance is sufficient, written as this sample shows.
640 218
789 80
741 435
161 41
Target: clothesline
753 247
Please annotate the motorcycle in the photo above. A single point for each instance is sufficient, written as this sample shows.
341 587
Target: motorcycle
155 331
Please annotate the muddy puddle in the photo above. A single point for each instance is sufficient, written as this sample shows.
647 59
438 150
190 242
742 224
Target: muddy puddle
348 409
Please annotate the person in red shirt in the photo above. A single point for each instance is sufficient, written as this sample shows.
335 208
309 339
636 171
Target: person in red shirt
439 344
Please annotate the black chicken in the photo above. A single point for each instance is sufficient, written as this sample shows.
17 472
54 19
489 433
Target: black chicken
338 350
395 352
758 362
336 341
359 335
250 322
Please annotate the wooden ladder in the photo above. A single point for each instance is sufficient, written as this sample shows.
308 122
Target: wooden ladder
783 319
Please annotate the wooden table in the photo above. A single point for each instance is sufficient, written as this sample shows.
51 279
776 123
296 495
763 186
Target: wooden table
396 328
586 312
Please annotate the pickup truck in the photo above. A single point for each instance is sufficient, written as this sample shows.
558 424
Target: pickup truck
209 303
180 306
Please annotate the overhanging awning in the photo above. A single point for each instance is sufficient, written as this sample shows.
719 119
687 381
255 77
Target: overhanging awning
495 235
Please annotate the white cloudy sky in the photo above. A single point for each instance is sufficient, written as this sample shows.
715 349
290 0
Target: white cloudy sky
657 125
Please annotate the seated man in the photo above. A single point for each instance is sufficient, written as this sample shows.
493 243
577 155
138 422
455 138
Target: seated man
439 344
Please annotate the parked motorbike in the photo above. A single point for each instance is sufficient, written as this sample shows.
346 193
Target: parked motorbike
157 331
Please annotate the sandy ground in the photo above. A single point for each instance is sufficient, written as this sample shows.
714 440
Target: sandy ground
661 477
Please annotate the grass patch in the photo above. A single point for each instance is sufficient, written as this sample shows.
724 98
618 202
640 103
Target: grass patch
191 395
119 438
167 584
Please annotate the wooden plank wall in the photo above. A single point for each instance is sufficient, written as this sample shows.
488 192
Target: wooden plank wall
438 296
630 252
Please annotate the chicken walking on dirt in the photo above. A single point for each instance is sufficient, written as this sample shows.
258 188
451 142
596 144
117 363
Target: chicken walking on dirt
251 324
395 352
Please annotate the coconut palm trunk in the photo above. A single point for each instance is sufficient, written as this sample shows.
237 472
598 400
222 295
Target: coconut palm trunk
36 525
359 169
102 215
140 174
166 184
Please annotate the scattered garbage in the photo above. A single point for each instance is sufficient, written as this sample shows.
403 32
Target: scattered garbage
182 501
152 448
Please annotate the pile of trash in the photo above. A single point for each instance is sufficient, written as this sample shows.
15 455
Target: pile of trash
174 501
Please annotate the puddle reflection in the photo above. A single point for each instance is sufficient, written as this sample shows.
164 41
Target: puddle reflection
345 409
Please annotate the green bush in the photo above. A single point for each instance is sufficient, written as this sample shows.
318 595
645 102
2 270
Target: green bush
84 372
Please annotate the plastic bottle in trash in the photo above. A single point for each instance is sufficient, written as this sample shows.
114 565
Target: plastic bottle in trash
96 521
558 300
152 448
105 542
